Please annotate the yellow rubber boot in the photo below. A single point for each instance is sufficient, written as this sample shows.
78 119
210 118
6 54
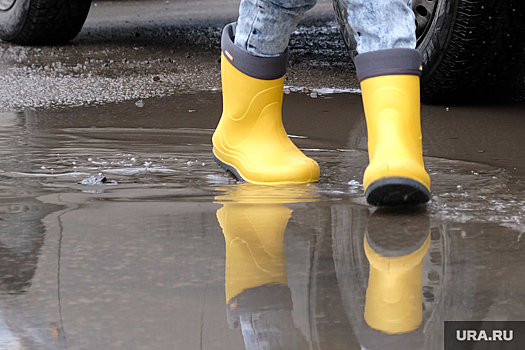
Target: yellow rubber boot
250 140
391 98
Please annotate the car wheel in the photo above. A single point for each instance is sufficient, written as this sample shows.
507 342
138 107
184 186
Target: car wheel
470 49
35 22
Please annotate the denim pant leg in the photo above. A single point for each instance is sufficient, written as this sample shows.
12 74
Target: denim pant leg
382 24
264 26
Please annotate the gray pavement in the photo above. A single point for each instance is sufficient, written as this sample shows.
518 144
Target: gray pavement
124 45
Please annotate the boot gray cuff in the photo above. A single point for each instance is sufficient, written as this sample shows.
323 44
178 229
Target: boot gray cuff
388 62
265 68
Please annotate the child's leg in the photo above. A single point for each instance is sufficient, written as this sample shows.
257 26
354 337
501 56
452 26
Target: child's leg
382 24
264 27
388 69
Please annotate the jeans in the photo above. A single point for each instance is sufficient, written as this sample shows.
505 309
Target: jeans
264 26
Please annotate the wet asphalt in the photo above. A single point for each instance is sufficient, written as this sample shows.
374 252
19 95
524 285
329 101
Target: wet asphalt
123 46
164 250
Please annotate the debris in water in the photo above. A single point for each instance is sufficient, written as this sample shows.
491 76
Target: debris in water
355 183
156 78
139 103
97 179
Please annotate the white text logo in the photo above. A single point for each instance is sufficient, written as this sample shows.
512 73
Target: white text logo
497 335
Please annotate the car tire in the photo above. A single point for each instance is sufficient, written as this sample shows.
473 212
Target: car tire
470 49
40 22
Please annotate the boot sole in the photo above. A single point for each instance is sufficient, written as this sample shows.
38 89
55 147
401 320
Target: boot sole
396 191
227 167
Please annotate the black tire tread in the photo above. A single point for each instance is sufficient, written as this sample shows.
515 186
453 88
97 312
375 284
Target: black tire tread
474 53
485 52
52 21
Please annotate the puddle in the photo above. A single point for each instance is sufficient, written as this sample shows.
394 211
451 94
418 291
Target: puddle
171 253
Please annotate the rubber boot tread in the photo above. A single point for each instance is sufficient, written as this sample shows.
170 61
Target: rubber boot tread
396 191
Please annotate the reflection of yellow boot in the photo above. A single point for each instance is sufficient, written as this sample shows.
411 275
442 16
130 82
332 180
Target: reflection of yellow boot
250 140
253 219
394 294
254 245
390 85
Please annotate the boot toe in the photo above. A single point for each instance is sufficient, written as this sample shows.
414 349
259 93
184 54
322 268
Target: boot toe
397 191
297 170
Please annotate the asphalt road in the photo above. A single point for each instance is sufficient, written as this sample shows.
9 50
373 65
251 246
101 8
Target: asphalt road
124 45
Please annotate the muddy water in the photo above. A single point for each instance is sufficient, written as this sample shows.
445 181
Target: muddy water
171 253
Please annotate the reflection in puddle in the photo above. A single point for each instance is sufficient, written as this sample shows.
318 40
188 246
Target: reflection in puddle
394 293
22 236
253 220
151 257
399 296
